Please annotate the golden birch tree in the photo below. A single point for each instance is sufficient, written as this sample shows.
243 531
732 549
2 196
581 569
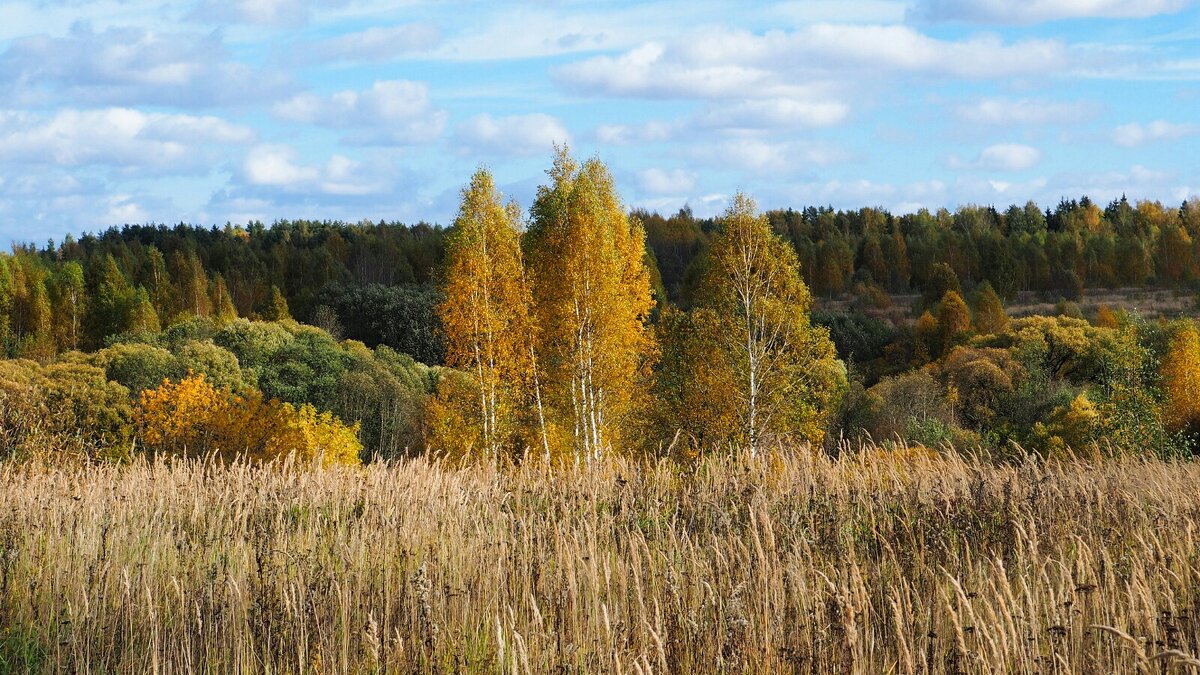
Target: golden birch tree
787 376
1181 380
485 316
592 298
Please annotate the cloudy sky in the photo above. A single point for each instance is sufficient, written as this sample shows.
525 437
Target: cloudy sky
215 111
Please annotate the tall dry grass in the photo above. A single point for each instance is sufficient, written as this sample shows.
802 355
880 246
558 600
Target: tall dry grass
788 563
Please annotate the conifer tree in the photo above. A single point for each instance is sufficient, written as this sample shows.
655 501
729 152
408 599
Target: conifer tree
485 315
592 297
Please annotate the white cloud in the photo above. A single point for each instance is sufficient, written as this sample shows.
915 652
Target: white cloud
1036 11
1026 111
261 12
1133 135
1009 157
124 209
390 112
276 167
854 193
627 134
657 181
769 158
376 44
119 137
724 64
775 113
1137 182
132 66
516 135
1001 157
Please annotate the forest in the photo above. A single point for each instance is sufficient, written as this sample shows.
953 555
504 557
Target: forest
579 328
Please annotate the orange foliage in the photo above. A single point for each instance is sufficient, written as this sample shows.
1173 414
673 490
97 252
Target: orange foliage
192 417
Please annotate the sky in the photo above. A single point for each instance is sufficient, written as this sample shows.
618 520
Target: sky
230 111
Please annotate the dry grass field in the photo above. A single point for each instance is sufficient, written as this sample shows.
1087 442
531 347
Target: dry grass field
880 563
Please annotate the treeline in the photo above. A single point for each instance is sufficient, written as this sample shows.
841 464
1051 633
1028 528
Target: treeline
376 282
1060 252
372 282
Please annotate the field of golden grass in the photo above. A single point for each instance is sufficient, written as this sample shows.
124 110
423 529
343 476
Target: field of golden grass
880 563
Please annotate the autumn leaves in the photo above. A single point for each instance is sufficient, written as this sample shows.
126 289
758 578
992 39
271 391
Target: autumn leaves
550 327
553 351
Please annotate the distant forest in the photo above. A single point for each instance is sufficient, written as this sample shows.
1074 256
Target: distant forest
376 282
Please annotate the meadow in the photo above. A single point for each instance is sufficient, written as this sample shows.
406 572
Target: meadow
902 561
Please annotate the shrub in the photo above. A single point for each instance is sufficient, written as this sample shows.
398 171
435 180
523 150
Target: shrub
192 417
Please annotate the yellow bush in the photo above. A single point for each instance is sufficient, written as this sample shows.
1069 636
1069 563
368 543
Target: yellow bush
192 417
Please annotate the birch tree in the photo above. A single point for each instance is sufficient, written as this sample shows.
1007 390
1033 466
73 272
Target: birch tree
787 377
592 297
485 315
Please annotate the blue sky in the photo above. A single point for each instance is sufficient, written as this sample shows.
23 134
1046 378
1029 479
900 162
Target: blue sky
220 111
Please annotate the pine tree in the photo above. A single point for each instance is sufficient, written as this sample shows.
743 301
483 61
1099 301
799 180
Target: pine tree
592 299
786 372
485 315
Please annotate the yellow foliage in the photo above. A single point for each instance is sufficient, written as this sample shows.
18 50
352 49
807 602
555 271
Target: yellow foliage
1106 318
192 417
1181 379
1070 428
313 436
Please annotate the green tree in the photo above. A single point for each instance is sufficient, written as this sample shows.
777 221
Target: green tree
786 372
163 294
277 307
68 293
142 317
192 282
941 280
113 301
222 303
